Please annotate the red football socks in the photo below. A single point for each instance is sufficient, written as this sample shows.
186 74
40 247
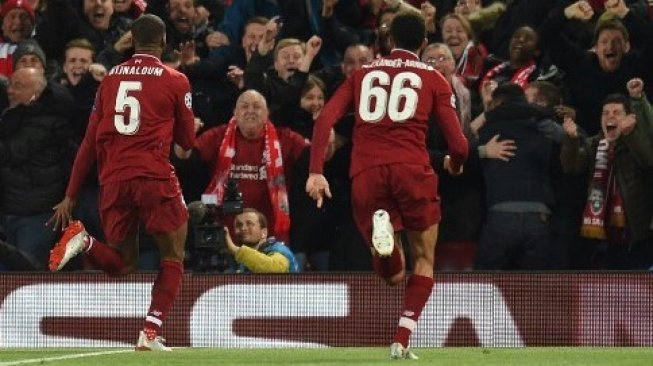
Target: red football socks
103 257
418 291
164 292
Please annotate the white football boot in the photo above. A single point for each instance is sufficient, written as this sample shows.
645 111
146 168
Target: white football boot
383 238
398 352
156 344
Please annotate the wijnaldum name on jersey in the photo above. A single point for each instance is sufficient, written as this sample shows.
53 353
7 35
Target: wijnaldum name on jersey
136 70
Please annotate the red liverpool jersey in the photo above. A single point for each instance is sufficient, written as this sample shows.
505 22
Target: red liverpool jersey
393 99
140 108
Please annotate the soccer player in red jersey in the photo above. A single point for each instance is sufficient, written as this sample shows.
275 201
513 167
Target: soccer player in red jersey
394 187
140 108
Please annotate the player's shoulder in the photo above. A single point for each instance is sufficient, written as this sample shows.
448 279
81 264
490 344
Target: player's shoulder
175 74
172 72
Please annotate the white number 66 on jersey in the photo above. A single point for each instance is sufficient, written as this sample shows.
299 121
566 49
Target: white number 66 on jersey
388 105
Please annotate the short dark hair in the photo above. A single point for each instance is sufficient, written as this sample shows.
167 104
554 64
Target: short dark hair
547 92
617 98
261 20
610 24
408 31
148 31
508 91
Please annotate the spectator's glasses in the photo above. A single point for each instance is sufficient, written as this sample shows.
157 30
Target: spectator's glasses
434 60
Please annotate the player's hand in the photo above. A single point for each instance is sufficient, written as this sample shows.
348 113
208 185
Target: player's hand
317 187
449 168
580 10
570 127
501 150
62 214
635 88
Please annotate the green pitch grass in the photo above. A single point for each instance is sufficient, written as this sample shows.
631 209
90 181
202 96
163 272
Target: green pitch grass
329 356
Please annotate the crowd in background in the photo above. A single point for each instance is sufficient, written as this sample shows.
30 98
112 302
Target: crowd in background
551 95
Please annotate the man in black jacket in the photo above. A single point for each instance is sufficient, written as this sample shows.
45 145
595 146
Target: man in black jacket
518 192
34 138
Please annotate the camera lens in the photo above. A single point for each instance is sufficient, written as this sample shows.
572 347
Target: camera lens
208 237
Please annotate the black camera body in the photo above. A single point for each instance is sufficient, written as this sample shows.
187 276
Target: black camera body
209 232
207 247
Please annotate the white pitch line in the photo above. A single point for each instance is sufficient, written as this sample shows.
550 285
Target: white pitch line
65 357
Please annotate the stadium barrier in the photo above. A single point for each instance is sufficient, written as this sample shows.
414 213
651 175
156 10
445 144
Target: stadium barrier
319 310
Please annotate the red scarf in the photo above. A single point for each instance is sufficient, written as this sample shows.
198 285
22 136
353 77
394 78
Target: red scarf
604 199
274 172
519 77
470 64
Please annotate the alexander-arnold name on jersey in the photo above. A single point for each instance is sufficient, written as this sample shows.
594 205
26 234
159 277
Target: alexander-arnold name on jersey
398 63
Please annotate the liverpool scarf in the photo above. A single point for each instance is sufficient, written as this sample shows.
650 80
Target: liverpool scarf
603 216
275 179
519 77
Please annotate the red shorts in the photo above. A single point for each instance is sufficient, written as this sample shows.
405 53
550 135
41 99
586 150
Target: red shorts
408 192
157 203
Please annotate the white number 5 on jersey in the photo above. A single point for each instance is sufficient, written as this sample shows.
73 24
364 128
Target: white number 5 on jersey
123 100
388 104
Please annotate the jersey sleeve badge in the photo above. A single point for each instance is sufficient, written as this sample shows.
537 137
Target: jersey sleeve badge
188 99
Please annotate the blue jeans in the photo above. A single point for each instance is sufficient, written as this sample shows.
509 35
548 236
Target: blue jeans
514 240
31 237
